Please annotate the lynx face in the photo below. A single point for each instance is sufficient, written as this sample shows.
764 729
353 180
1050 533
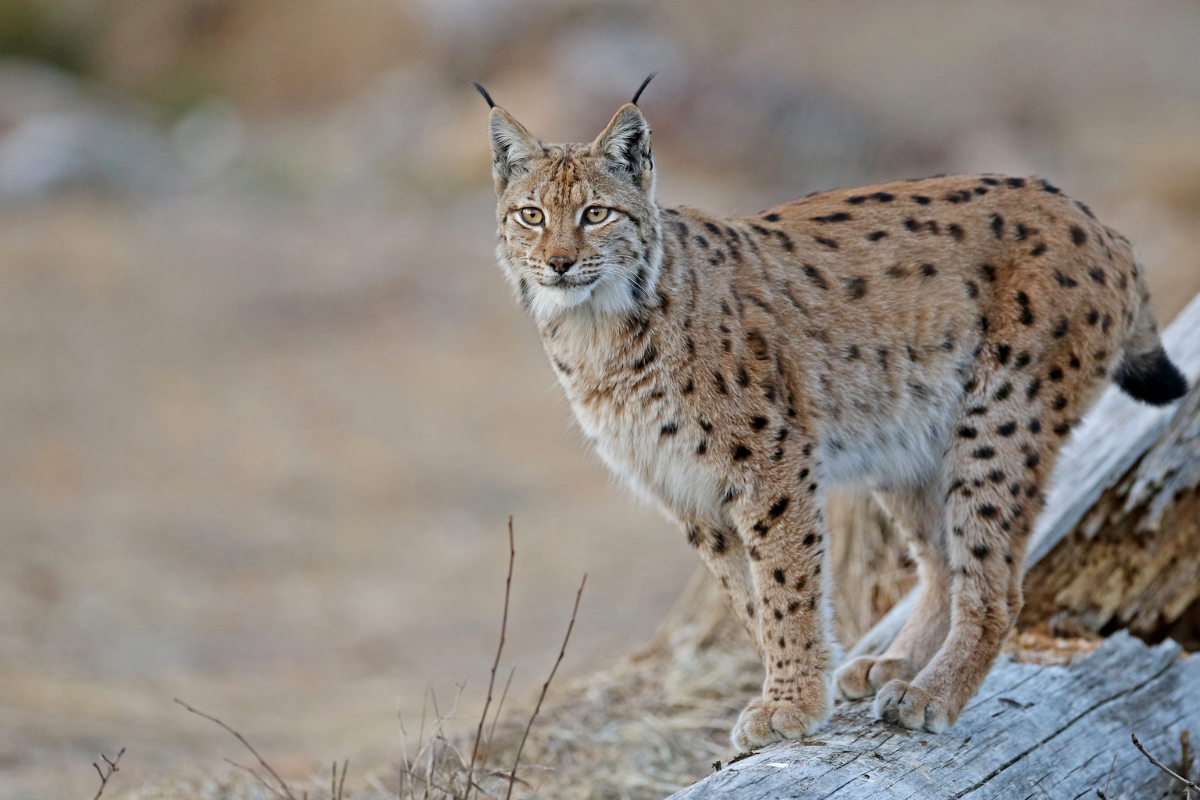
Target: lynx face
577 222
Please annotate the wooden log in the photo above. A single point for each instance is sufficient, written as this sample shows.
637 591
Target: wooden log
1031 732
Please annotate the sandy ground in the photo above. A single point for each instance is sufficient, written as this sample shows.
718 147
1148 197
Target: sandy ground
266 464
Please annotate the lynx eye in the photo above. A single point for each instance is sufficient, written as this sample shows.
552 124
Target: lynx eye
532 216
596 214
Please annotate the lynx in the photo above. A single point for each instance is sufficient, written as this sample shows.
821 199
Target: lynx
932 340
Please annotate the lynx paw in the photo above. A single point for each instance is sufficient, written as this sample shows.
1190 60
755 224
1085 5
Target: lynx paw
766 721
905 704
866 675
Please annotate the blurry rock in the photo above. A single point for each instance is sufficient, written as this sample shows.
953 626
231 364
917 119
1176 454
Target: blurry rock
59 137
207 141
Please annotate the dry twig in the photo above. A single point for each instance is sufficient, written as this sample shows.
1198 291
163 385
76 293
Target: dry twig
284 791
110 766
512 557
545 687
1190 788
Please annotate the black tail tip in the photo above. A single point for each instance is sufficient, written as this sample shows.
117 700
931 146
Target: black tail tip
1151 378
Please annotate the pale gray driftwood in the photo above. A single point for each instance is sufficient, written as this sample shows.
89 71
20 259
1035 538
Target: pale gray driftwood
1110 439
1031 732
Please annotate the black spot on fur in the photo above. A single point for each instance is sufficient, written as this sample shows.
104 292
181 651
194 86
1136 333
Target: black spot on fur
719 380
875 236
1060 328
758 423
700 241
883 197
1065 281
1035 426
840 216
977 411
815 276
988 272
1035 386
648 356
984 453
1032 460
928 270
980 551
1002 353
741 452
921 200
1062 428
830 243
1078 236
957 197
1022 232
1049 187
990 181
856 288
670 429
972 289
1093 317
966 432
702 448
1055 374
988 511
742 378
1059 403
1015 183
956 232
1022 360
997 226
689 387
1003 392
856 200
912 224
1007 429
810 539
778 507
1038 249
772 217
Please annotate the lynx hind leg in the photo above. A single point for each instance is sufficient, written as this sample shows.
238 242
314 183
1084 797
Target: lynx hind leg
919 514
786 542
997 467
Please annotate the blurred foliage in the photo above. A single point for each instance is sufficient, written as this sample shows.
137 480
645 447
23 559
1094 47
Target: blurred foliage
32 29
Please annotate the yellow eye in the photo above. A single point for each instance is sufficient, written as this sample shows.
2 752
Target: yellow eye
596 214
532 216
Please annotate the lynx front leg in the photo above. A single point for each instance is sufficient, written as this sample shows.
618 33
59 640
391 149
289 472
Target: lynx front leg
919 514
785 542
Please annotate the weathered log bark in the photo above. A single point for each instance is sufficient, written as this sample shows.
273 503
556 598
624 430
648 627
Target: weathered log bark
1118 546
1031 732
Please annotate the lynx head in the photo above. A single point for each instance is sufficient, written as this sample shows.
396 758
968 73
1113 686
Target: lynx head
579 230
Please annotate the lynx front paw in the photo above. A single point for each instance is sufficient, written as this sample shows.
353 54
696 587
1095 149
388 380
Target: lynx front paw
766 721
866 675
913 707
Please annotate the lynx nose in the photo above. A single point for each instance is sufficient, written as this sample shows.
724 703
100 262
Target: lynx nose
560 264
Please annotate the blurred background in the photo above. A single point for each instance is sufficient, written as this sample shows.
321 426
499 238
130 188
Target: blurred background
266 404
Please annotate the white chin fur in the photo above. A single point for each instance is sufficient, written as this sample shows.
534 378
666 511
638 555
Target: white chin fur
551 300
609 295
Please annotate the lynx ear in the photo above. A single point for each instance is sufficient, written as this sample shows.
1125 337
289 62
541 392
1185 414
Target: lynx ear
625 146
512 147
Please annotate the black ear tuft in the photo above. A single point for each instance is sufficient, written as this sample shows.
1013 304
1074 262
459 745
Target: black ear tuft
638 93
488 97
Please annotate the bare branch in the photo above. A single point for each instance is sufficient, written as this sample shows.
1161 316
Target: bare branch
512 557
545 687
1190 787
286 790
107 772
